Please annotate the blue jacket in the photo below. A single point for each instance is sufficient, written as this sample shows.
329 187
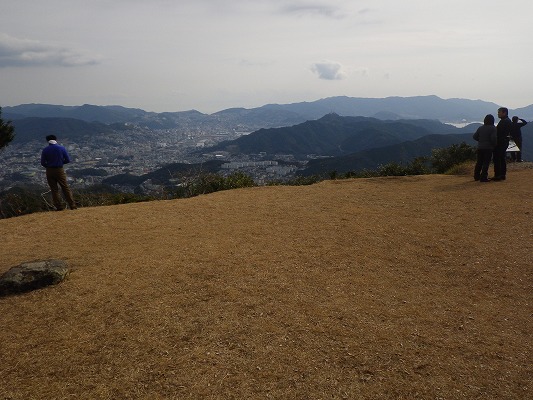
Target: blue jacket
54 156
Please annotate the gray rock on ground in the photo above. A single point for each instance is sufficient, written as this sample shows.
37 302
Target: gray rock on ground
32 275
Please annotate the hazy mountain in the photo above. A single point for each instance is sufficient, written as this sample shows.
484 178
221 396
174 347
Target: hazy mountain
86 112
524 112
417 107
333 135
276 115
33 128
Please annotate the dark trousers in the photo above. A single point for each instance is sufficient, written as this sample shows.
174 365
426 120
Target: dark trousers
498 157
481 170
517 155
57 178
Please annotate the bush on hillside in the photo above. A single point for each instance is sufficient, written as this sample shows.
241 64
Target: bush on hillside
444 159
417 167
86 198
297 181
210 183
364 173
21 201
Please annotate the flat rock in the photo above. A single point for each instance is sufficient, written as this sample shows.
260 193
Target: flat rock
32 275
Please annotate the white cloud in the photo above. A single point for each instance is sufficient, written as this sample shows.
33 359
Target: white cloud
15 52
329 70
307 8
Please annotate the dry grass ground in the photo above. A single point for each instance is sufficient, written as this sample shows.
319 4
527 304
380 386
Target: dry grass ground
387 288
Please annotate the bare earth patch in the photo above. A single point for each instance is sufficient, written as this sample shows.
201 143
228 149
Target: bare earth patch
388 288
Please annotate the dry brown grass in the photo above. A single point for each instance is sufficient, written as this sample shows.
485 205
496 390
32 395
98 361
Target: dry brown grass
385 288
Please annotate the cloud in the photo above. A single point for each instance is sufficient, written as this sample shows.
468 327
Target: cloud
15 52
329 70
305 8
251 63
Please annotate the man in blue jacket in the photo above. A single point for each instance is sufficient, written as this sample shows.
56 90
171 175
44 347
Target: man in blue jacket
53 157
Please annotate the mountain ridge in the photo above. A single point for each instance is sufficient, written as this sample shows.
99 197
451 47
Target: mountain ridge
331 135
273 115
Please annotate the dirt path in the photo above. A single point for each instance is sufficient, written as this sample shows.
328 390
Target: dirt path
393 288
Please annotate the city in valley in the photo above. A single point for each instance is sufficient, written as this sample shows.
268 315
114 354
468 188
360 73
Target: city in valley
137 151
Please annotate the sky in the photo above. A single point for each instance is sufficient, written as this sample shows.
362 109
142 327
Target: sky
210 55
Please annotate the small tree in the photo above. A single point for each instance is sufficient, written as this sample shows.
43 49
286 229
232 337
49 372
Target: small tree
444 159
7 132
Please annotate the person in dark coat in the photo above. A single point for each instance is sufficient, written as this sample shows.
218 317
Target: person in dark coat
503 133
486 142
516 135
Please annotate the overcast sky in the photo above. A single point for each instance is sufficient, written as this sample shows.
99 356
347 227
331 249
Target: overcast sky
209 55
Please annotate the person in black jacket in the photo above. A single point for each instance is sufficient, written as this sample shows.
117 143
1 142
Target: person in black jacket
516 135
486 137
503 130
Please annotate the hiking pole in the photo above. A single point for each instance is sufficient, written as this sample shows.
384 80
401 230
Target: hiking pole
46 202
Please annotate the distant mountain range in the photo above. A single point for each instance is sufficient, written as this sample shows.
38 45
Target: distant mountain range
333 135
31 128
346 134
273 115
345 144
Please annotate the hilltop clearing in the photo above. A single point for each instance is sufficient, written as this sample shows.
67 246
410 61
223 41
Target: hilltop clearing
392 288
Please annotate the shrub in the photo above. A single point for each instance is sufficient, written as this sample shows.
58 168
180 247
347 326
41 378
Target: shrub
20 201
238 180
365 173
392 169
333 175
298 181
209 183
419 166
104 195
444 159
416 167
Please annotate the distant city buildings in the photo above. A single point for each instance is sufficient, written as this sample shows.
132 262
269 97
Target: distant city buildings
136 152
